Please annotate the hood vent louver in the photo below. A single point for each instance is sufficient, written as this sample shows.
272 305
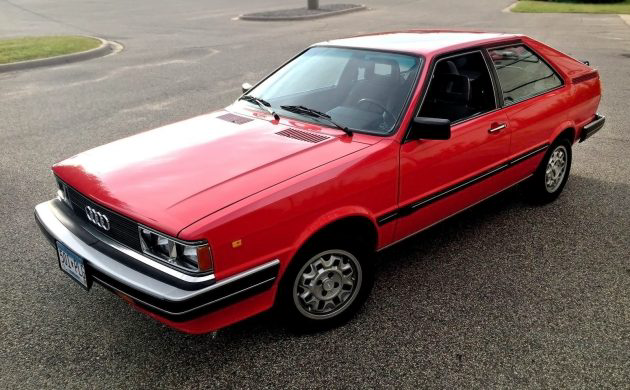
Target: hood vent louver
233 118
303 135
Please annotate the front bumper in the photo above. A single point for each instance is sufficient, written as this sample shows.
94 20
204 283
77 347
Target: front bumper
171 297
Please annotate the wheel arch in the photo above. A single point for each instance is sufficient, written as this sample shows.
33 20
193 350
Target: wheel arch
565 130
339 221
355 220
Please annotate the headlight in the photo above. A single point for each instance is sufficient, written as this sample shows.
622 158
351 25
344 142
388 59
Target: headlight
189 256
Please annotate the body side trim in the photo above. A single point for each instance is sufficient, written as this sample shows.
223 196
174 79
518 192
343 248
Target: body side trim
451 215
417 205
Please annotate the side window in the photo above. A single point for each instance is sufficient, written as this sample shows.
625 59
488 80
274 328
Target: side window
522 74
460 88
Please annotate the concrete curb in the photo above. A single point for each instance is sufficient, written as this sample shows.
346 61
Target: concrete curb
104 49
252 17
509 7
625 18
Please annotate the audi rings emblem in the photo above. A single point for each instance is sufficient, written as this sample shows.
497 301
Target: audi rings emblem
97 218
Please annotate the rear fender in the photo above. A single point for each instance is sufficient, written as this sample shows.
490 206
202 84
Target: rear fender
561 128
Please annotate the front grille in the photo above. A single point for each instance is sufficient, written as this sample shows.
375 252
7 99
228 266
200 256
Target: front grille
122 229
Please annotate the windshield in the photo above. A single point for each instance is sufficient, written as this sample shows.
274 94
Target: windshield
358 89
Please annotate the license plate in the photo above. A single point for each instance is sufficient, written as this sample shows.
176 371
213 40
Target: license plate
72 264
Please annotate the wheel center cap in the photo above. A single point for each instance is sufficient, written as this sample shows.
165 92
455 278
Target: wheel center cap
328 285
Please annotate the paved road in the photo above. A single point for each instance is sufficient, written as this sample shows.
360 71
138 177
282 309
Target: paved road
504 295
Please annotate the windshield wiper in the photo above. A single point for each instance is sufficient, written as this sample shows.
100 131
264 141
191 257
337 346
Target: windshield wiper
265 105
317 114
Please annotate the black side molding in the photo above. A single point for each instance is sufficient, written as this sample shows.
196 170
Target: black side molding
415 206
593 127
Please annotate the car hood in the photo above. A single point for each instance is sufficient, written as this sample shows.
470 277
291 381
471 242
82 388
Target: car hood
172 176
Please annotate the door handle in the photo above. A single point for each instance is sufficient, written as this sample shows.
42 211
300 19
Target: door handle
496 127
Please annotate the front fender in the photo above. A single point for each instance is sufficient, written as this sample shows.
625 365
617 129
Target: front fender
329 218
273 224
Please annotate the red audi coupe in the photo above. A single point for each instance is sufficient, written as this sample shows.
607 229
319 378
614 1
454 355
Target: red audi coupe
281 198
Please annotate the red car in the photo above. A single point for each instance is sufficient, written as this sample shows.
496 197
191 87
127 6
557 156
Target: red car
348 148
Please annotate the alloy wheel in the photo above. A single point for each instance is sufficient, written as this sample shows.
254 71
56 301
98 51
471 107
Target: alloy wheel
327 284
556 169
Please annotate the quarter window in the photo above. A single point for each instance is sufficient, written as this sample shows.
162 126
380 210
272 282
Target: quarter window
522 74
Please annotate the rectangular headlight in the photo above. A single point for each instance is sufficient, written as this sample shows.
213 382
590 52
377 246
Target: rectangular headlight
190 257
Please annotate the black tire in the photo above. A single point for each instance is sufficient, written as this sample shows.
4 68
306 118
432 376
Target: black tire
299 316
542 187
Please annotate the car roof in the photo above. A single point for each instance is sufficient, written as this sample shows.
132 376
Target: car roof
422 42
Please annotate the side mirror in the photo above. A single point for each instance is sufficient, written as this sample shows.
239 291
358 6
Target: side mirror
429 128
246 87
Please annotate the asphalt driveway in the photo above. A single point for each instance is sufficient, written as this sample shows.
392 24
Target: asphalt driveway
504 295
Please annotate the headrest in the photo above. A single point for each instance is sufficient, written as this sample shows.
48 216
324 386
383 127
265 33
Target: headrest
452 88
393 69
452 69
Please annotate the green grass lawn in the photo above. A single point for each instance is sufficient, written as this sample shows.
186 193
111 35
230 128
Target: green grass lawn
546 6
29 48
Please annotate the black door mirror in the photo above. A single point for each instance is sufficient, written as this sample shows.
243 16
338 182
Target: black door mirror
429 128
245 87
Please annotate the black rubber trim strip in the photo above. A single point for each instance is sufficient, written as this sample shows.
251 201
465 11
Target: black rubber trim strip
201 304
593 127
415 206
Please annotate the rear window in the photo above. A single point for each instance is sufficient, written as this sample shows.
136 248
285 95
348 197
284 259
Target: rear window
522 74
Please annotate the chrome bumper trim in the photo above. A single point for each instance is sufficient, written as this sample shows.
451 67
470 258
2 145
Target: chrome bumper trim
123 274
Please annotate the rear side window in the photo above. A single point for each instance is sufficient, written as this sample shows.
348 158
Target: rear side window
522 74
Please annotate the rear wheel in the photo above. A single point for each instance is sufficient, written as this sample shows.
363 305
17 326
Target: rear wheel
552 174
325 285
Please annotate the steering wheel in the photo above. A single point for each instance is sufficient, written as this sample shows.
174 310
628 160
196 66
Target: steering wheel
384 110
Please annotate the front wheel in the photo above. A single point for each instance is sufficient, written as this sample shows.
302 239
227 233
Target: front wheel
325 285
552 174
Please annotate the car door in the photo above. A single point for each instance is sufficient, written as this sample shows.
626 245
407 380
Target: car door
441 177
531 96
